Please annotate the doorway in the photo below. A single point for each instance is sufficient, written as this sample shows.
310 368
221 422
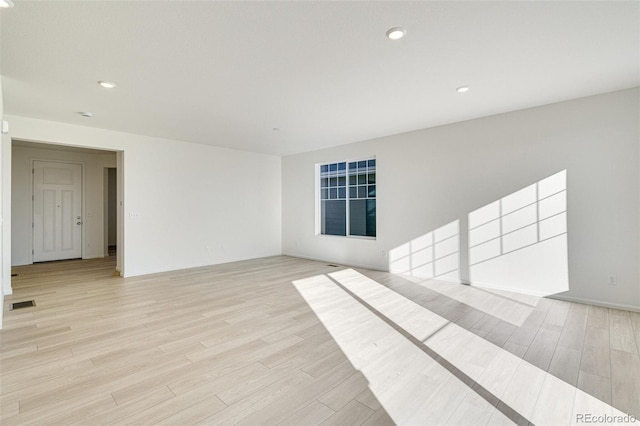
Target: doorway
25 239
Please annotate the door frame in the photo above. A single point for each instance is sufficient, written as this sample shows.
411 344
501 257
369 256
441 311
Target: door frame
105 208
7 188
32 161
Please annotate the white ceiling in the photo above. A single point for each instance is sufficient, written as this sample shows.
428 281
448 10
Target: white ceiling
227 73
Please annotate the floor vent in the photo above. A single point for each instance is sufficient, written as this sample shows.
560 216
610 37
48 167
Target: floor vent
20 305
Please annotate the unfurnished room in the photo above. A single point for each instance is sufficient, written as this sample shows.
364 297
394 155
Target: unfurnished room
319 212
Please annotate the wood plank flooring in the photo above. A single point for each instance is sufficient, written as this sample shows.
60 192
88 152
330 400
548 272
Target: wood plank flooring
280 341
574 342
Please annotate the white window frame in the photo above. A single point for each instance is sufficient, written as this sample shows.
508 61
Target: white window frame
318 199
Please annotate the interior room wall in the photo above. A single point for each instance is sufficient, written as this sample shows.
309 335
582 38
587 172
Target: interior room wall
111 207
6 212
434 177
120 212
185 205
92 214
2 262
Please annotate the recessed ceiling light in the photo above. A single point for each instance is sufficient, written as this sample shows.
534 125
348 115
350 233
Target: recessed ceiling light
396 33
6 3
462 89
86 114
107 84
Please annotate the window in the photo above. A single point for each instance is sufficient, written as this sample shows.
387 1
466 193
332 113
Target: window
348 198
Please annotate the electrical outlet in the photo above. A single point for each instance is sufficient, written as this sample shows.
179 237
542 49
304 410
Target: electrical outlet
612 280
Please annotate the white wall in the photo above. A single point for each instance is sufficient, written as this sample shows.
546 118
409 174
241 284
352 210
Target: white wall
6 212
185 205
92 207
3 265
111 207
519 243
433 177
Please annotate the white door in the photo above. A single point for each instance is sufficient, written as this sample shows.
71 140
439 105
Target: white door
57 211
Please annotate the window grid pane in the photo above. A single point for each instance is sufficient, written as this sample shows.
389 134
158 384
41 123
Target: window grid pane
360 187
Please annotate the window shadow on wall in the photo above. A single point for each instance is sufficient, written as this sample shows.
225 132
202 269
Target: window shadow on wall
519 242
435 254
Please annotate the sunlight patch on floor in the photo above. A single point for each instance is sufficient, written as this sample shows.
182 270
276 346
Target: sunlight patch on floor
414 387
411 386
510 307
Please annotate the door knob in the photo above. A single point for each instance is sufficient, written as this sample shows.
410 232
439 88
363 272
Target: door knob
78 223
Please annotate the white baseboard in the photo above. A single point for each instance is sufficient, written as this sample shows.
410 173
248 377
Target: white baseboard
565 298
510 289
596 303
336 262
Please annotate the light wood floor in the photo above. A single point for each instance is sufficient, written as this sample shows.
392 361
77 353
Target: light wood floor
290 341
